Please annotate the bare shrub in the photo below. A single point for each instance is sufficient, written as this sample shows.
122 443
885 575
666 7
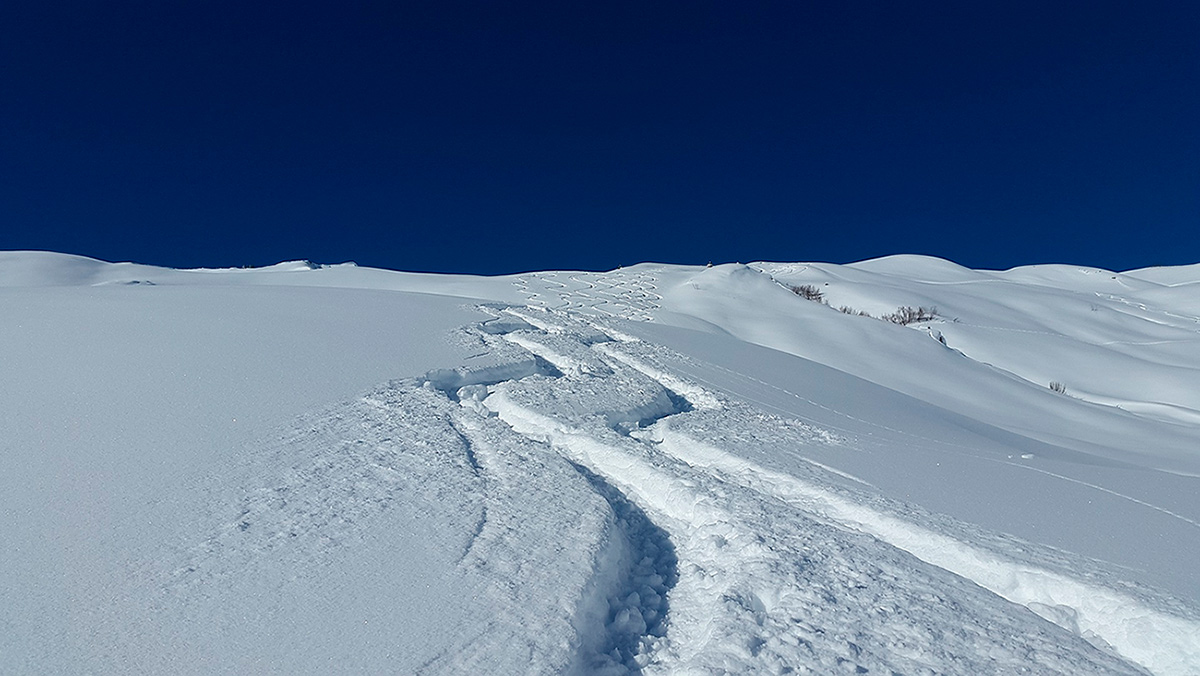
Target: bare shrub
846 309
808 292
1058 387
907 314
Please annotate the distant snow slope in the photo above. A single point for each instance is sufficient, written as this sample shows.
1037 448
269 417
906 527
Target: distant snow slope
659 469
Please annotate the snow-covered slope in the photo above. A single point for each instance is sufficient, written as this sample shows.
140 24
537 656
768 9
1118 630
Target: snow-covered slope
659 469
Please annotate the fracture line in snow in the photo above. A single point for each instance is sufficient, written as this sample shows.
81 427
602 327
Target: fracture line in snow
792 414
699 397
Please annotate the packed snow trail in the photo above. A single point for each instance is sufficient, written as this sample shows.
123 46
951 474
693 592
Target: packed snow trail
779 573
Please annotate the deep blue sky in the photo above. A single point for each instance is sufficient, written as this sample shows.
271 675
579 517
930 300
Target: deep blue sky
497 137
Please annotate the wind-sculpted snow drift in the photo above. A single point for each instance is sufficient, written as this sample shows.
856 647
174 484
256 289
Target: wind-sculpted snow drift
610 473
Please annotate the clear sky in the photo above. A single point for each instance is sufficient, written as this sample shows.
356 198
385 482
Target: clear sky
498 137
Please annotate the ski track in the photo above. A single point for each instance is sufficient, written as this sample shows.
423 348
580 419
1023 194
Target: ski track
675 555
619 294
1145 308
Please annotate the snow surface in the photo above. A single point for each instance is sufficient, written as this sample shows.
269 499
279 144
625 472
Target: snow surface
658 469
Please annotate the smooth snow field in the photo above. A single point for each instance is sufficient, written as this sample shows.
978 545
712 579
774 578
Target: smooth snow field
661 469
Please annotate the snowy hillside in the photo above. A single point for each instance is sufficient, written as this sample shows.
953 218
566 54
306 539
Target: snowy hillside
659 469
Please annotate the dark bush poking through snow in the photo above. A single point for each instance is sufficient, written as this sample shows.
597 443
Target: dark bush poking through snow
808 292
904 315
907 314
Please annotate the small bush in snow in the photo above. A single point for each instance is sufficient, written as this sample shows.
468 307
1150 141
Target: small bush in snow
907 314
904 315
808 292
1058 387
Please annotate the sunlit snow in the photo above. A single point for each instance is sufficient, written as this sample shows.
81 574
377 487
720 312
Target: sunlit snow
658 469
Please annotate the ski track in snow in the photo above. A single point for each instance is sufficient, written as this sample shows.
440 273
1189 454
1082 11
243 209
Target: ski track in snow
1147 309
622 294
